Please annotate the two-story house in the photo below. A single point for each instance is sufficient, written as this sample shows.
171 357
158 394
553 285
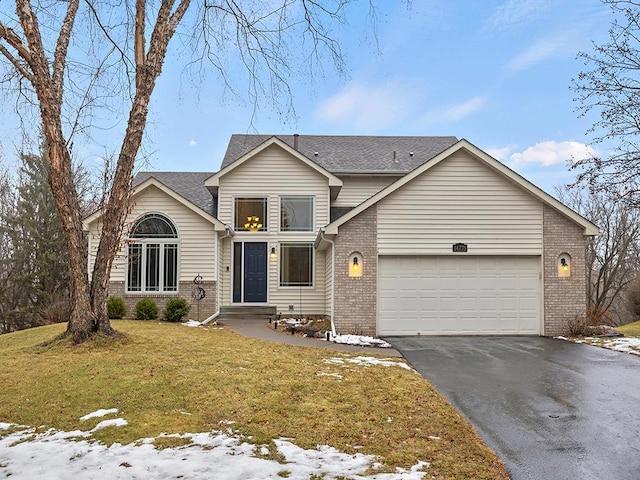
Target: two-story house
384 235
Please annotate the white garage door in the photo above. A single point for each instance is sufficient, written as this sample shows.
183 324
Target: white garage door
459 295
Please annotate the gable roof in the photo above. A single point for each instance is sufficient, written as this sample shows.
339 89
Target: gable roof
189 185
589 228
142 183
214 180
350 154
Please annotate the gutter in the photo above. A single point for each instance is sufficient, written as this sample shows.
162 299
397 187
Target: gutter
229 233
333 280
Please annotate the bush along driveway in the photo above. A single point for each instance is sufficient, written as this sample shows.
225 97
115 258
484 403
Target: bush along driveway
551 409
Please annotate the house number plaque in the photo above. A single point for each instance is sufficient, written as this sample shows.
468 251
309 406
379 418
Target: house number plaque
459 248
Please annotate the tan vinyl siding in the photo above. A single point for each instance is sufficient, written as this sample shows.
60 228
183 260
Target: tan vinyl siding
460 200
196 235
305 300
356 189
271 174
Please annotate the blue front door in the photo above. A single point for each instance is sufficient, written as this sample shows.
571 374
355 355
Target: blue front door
250 264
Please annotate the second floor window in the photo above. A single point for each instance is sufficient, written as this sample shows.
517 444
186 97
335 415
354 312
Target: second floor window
250 214
296 214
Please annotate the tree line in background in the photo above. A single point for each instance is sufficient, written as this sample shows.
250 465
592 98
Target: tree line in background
34 280
121 52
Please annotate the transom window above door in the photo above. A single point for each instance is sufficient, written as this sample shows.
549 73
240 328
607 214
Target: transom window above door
296 214
250 214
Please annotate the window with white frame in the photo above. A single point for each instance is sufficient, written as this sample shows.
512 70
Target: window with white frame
296 214
153 255
296 265
250 214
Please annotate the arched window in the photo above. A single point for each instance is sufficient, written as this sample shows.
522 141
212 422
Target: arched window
153 255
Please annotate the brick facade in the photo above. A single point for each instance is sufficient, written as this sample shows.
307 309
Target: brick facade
564 298
207 304
356 297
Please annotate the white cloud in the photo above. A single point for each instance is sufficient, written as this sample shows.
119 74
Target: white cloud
500 153
454 113
540 51
192 143
552 153
369 106
462 110
513 12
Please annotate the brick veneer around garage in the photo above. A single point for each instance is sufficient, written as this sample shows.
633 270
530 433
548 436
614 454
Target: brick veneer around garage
356 297
207 304
564 298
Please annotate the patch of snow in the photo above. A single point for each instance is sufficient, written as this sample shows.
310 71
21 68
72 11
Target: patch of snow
99 413
368 361
192 323
325 374
210 455
361 340
623 344
293 322
620 344
116 422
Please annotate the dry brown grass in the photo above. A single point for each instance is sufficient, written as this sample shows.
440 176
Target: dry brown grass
167 378
630 329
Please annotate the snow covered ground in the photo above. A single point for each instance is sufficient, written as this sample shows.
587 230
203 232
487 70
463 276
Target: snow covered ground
619 344
28 453
359 340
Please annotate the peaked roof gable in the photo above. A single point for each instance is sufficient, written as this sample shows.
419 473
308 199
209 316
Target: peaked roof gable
350 154
214 180
589 228
151 181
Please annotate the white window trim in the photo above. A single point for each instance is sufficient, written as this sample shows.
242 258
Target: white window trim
154 241
144 242
250 197
313 215
312 264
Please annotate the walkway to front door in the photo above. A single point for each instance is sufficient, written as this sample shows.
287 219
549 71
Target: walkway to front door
249 272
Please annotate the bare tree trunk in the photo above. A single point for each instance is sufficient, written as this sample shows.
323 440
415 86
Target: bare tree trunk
260 38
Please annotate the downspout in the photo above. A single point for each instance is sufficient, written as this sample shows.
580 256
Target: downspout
333 281
218 287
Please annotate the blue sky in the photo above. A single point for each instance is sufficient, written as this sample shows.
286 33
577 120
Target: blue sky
496 72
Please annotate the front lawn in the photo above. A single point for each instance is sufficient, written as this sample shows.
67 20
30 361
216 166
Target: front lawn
629 343
168 378
630 329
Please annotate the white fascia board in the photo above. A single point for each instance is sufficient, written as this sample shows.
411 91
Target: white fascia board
151 181
589 228
214 180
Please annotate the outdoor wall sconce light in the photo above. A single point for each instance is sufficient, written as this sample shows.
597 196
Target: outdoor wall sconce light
564 265
273 255
355 265
253 224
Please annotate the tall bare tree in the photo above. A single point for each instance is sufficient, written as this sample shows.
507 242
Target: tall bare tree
58 55
609 87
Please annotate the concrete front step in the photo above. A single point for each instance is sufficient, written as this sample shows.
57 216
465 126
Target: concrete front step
246 313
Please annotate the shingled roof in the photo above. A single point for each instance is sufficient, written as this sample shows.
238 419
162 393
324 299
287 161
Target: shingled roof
351 153
190 185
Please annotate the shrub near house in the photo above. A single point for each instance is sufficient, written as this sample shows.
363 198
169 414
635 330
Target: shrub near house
383 235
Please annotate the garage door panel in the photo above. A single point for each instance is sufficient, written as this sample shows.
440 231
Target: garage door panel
459 295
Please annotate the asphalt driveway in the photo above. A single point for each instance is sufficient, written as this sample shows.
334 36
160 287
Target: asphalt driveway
549 408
